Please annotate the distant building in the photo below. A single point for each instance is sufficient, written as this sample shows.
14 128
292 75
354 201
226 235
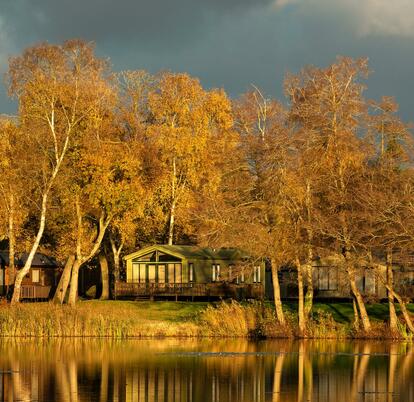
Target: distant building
40 281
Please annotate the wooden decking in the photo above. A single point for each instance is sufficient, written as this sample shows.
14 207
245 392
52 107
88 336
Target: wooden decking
34 292
215 290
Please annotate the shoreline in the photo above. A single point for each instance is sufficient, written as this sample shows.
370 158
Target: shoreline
156 320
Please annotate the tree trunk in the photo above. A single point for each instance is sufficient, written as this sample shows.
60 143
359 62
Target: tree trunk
301 307
276 293
309 266
404 311
393 315
309 289
12 242
171 226
356 314
24 271
62 286
366 324
103 262
73 291
116 251
173 204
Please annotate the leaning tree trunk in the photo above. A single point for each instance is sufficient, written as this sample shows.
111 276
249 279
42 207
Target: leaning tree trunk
74 282
301 307
356 314
404 310
12 242
103 262
390 294
24 271
63 284
276 293
366 324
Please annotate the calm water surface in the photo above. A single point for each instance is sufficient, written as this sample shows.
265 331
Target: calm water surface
209 370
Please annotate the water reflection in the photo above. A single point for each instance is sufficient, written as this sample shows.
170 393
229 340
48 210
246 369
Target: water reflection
209 370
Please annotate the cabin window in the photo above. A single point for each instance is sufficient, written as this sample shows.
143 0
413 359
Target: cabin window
174 273
215 272
35 275
241 276
231 272
256 274
138 273
327 278
190 272
161 273
151 273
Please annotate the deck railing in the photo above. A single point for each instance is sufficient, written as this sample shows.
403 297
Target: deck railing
218 289
34 292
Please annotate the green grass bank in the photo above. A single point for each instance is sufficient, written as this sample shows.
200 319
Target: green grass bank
124 319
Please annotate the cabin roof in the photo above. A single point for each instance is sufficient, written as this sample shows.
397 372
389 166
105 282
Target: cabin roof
192 252
39 260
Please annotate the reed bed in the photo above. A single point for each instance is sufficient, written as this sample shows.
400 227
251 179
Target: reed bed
123 319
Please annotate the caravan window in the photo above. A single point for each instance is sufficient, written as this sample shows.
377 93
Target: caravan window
35 275
215 272
256 274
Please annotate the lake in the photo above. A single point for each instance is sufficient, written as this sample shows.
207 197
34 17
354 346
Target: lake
188 370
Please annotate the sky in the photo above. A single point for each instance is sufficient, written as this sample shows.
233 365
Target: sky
232 44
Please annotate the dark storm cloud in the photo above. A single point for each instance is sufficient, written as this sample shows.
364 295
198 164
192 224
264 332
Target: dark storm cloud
227 43
147 22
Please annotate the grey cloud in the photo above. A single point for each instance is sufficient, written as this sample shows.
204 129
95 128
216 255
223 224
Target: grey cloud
228 44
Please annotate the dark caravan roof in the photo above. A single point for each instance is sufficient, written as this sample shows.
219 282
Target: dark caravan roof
39 260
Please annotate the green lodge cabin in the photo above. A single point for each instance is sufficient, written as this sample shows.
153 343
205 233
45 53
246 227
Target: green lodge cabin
190 272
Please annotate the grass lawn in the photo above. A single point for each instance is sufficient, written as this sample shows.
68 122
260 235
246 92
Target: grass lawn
167 311
344 313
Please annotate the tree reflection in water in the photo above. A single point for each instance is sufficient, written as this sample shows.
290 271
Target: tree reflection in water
206 370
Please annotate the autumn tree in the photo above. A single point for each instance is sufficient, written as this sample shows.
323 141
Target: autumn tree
187 126
328 105
388 198
57 86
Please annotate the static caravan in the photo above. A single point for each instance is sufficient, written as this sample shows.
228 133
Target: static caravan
192 272
40 280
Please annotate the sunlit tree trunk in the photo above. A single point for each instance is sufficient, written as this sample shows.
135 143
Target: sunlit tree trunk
80 258
63 284
12 242
350 269
391 306
173 204
116 252
404 310
24 271
103 262
356 314
309 259
301 307
276 293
